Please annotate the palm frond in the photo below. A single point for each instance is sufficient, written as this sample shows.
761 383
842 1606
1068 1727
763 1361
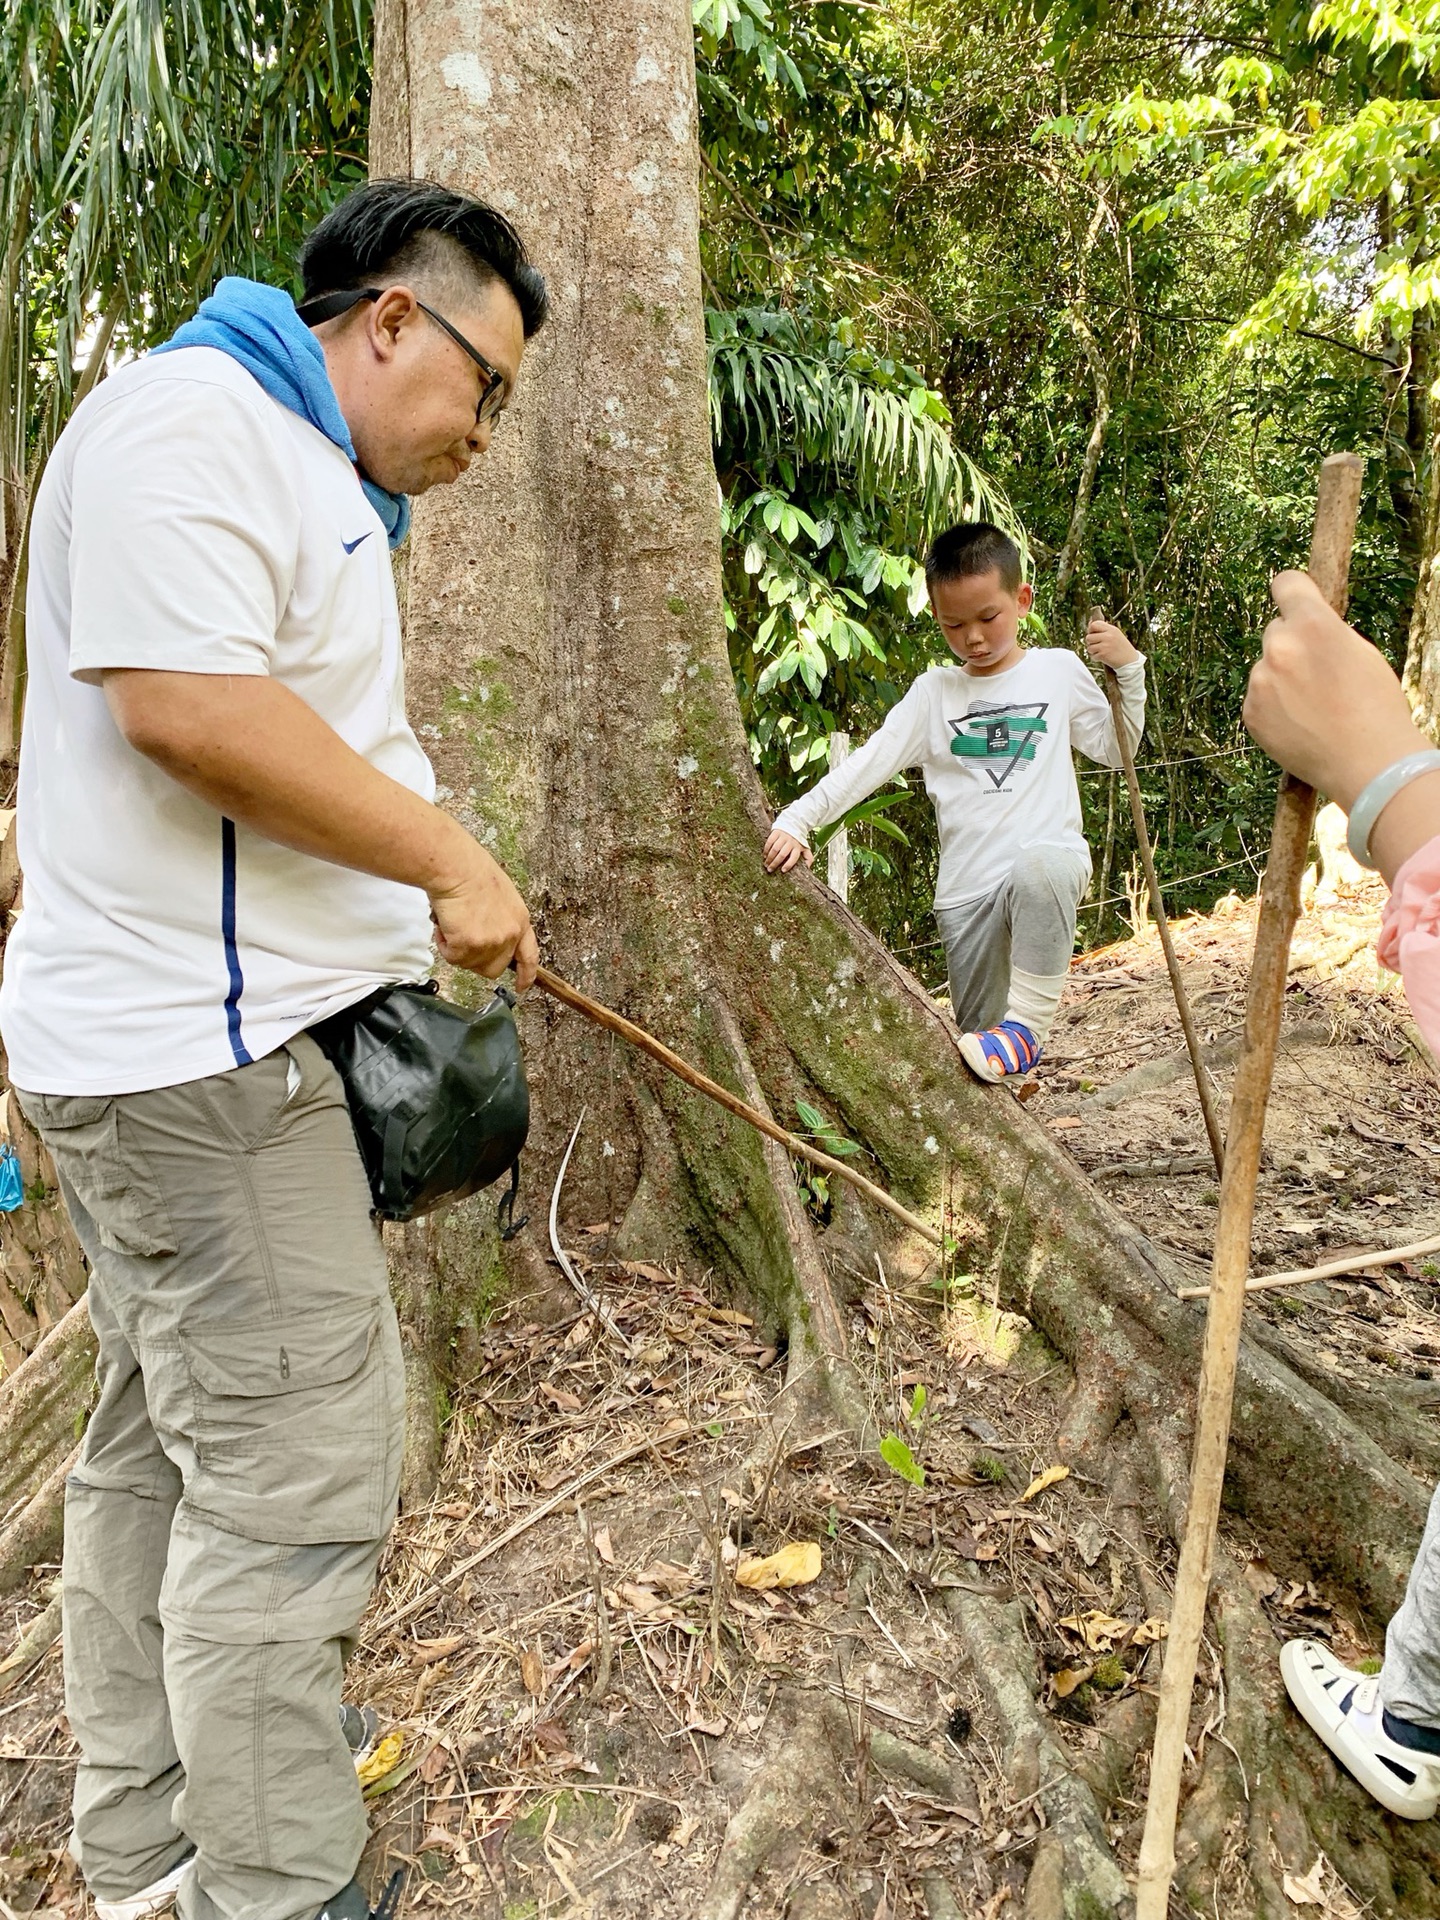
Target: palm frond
779 396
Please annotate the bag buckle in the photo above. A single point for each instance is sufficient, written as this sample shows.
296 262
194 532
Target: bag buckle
505 1213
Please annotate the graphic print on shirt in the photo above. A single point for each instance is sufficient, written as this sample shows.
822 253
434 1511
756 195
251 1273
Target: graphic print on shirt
1006 736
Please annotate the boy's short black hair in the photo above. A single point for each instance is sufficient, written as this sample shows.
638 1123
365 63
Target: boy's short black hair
975 546
416 228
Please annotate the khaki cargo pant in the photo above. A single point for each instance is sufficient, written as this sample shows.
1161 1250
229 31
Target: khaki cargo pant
238 1476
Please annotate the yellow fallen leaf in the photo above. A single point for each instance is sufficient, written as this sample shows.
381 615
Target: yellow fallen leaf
1098 1630
1149 1630
795 1565
1069 1678
385 1757
532 1671
1051 1477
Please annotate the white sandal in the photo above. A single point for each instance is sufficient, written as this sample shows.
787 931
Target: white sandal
1344 1708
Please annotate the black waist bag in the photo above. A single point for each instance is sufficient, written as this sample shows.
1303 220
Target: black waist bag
437 1096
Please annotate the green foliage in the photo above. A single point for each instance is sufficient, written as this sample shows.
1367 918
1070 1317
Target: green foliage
146 147
815 1185
987 1468
899 1458
836 464
1330 127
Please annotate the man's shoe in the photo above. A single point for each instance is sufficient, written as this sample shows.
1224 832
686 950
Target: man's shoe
158 1897
1000 1052
361 1728
1382 1752
350 1902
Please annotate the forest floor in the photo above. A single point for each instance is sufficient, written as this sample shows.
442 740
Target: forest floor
579 1689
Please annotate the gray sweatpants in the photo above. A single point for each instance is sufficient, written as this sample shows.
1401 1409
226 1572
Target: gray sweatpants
1410 1682
237 1479
1028 922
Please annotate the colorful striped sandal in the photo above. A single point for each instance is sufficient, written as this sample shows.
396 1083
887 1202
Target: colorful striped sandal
1000 1053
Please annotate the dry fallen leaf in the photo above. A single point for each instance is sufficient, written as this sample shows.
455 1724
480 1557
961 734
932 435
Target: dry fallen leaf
1069 1678
667 1577
1150 1630
425 1652
550 1736
795 1565
383 1760
603 1546
1310 1891
1051 1477
713 1727
532 1671
642 1600
1098 1630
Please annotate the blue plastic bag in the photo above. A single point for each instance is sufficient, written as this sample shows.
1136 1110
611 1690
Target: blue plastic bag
12 1181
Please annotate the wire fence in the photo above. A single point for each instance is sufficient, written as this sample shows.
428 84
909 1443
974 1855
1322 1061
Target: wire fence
1114 899
1162 766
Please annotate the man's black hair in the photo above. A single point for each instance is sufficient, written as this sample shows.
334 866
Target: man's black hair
390 226
975 546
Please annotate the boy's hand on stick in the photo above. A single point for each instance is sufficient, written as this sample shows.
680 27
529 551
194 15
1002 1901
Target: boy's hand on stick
1322 701
783 851
1106 643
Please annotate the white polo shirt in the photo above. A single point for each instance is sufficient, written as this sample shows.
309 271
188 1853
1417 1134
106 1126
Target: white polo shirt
188 522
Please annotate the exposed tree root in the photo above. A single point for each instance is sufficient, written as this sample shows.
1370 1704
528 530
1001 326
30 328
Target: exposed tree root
34 1534
799 1784
1074 1874
42 1406
940 1902
36 1641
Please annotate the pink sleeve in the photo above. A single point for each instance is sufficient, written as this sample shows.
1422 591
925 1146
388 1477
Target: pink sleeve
1410 936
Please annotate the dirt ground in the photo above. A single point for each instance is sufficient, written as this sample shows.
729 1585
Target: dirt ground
578 1682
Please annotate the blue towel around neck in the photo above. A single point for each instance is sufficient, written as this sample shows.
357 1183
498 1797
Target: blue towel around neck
258 326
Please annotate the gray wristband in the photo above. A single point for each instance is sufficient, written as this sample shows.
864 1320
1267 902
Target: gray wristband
1377 795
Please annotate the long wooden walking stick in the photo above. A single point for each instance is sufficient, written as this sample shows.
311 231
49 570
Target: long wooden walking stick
569 996
1335 513
1162 922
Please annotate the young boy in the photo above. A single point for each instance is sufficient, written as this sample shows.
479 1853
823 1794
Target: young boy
993 737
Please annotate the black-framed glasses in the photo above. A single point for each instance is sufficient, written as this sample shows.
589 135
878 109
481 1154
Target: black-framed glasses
329 306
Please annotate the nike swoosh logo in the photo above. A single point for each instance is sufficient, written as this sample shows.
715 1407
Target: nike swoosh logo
350 545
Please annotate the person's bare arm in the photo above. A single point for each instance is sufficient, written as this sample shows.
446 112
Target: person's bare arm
253 750
1327 705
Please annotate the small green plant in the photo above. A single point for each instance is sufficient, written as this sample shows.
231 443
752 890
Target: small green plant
1429 1270
1087 1086
1294 1309
900 1459
986 1467
897 1454
814 1185
1372 1665
1110 1674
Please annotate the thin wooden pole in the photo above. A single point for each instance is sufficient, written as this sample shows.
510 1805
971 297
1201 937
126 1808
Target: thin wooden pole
1336 508
702 1083
1356 1263
1162 923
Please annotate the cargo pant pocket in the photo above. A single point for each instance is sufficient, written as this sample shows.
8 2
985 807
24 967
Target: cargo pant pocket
297 1423
96 1155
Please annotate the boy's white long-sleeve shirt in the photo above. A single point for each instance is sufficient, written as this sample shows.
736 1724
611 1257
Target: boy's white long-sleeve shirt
996 753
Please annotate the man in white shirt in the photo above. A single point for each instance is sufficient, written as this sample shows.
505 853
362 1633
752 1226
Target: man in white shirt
228 833
993 736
